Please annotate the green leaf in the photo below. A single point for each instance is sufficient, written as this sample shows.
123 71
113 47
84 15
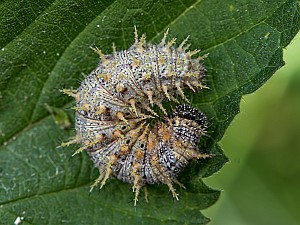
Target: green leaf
44 46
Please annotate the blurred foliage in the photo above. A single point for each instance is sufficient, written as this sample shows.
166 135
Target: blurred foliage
261 183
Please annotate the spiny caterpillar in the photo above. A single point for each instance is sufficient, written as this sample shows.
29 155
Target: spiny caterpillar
114 104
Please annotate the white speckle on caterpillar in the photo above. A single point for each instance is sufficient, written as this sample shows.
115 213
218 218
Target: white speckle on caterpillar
116 101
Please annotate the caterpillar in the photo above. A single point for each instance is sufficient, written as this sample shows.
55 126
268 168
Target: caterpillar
117 125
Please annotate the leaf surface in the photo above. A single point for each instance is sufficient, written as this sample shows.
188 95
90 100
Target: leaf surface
44 46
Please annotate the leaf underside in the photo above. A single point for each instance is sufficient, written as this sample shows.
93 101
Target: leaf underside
44 46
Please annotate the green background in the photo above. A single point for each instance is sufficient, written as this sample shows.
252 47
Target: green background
261 183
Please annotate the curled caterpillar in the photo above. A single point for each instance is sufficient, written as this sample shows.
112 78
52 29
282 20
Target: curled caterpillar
114 105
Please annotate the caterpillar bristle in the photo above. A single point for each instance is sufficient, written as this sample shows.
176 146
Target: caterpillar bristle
118 108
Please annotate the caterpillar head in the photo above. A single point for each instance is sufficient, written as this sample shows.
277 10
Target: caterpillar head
188 112
188 124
